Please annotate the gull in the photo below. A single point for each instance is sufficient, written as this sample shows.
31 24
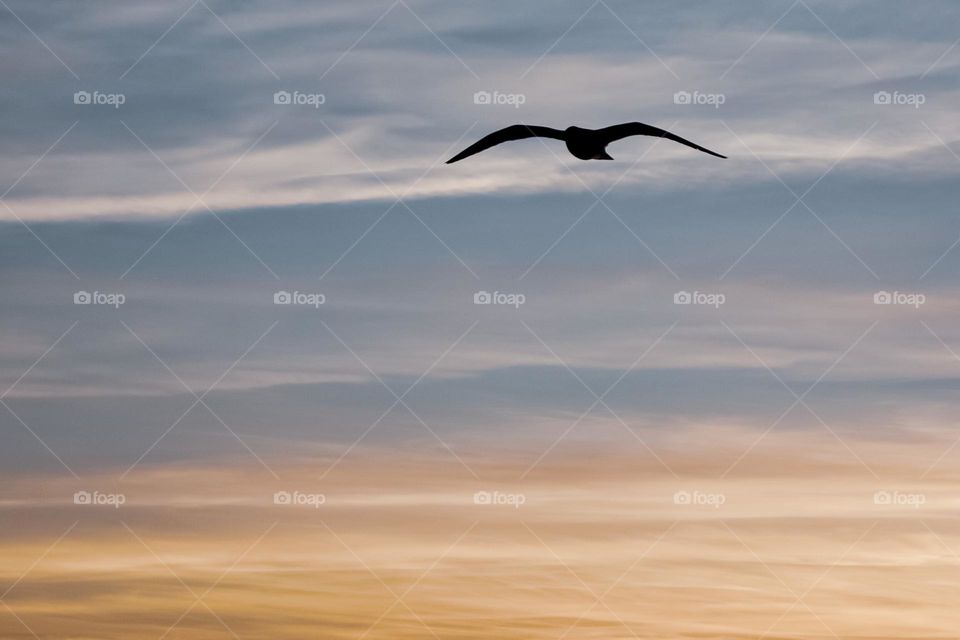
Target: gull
586 144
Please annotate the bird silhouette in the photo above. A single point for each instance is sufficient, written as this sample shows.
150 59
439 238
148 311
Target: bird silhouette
586 144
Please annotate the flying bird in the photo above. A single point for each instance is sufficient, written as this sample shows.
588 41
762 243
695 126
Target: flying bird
586 144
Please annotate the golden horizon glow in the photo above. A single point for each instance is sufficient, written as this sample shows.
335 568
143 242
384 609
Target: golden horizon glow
792 543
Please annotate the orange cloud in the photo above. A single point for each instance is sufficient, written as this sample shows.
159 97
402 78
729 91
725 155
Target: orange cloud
797 541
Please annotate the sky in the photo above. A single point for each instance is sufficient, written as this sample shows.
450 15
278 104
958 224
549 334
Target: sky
245 309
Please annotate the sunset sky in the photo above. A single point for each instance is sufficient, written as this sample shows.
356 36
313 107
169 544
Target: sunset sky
185 456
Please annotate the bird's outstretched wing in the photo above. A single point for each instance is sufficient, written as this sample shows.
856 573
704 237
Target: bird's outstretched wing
514 132
618 131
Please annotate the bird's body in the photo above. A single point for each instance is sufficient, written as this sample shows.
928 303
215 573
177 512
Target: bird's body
585 144
581 143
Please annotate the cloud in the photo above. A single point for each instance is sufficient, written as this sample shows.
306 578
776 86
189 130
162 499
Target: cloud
399 99
699 461
280 568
